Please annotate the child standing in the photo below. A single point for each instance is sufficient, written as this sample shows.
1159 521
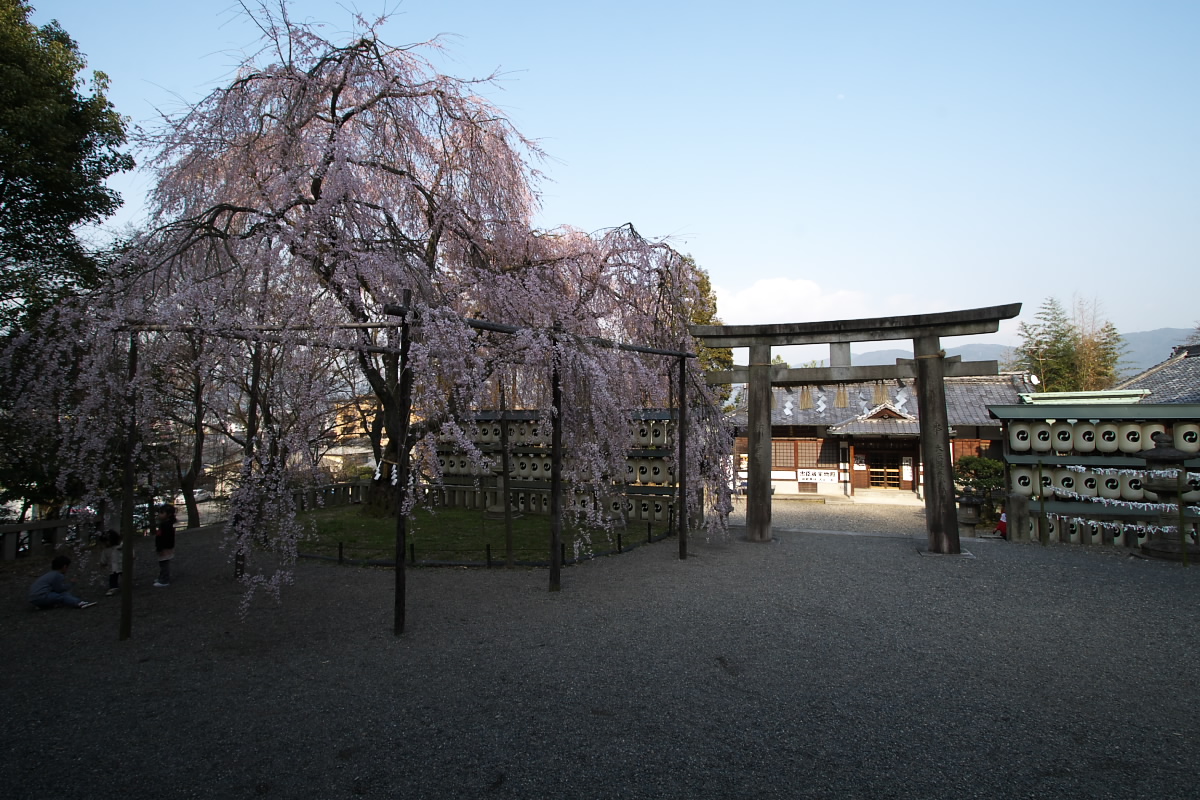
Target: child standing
111 558
164 543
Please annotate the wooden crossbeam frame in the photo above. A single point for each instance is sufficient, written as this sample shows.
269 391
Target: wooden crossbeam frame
802 376
929 368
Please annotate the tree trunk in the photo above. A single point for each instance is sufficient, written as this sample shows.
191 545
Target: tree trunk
400 425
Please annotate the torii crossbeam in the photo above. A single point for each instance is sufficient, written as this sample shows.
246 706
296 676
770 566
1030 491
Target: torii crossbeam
930 367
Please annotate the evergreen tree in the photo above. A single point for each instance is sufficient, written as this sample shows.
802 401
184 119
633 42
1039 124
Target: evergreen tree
704 312
57 147
1070 353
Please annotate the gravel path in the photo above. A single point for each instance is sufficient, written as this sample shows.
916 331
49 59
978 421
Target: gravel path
878 518
824 666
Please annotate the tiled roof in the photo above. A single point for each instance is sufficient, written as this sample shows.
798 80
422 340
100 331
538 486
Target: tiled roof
1176 380
878 427
967 400
883 420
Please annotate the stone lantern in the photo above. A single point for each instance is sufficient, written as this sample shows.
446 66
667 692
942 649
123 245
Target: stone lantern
1173 546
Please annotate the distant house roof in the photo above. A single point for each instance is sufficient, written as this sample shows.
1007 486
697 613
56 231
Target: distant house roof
837 405
1176 380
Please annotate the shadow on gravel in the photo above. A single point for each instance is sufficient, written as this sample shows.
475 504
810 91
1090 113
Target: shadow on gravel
816 665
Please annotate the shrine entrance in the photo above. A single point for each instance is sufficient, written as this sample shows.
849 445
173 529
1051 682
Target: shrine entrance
928 368
883 469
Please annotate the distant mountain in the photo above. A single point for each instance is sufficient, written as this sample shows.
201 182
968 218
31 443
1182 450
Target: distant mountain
1143 349
968 352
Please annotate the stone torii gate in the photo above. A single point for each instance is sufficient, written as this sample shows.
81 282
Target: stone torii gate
929 367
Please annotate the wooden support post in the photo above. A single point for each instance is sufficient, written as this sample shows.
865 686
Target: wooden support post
505 466
851 472
1043 520
1017 509
940 518
127 496
681 464
758 407
556 556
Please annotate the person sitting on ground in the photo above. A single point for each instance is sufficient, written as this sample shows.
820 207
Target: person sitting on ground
51 590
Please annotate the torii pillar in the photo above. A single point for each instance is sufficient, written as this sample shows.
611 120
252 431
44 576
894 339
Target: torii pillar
930 367
937 459
758 417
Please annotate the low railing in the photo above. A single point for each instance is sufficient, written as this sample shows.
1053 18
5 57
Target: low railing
36 537
622 541
333 494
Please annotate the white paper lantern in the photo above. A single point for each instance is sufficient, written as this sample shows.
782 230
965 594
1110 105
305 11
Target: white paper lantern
1022 481
1085 437
658 434
1148 431
1063 434
1110 487
1187 436
1043 482
1129 438
642 437
1108 437
1041 440
1131 487
1018 437
1065 479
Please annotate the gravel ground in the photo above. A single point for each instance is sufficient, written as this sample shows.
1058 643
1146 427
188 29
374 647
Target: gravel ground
817 665
809 517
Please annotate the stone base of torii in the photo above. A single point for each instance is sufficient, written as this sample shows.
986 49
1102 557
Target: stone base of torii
929 367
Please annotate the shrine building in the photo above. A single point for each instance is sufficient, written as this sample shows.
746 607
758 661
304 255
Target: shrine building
837 439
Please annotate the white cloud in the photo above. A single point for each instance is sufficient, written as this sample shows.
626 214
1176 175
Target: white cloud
777 300
782 300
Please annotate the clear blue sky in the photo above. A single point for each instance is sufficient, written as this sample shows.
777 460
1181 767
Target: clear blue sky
820 159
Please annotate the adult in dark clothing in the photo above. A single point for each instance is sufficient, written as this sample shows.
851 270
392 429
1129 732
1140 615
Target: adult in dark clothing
164 543
52 590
